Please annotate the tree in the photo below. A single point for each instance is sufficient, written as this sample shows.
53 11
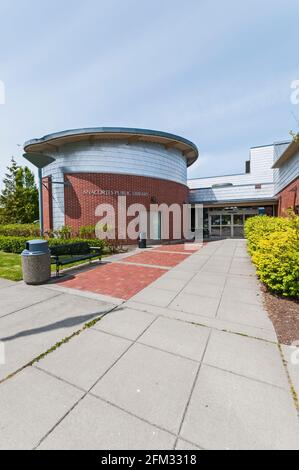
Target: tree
295 136
19 198
8 211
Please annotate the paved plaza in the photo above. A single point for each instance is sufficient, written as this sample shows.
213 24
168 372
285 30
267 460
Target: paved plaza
187 359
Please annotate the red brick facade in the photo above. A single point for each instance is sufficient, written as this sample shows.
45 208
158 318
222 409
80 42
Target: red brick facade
47 203
288 198
87 191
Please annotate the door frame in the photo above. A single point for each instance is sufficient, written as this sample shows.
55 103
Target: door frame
232 226
155 217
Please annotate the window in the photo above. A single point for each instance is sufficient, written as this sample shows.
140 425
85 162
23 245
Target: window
226 220
238 219
215 220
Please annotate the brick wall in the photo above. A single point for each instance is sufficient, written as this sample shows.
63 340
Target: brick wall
81 203
47 203
289 198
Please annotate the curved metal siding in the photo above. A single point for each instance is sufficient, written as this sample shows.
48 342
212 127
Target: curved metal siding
113 157
140 159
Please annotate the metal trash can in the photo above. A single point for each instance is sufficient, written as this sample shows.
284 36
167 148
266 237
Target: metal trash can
36 262
142 241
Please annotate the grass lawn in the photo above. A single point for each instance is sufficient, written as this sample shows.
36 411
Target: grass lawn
11 268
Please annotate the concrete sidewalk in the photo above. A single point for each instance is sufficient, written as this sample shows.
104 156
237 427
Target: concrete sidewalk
192 361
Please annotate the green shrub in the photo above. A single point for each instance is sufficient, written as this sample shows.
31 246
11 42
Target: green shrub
274 246
277 261
18 244
12 244
96 242
260 228
64 233
20 230
87 231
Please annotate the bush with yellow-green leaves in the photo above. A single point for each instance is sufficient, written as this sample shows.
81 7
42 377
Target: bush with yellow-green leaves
273 243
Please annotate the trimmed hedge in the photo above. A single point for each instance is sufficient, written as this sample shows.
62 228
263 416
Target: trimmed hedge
18 244
20 230
12 244
274 246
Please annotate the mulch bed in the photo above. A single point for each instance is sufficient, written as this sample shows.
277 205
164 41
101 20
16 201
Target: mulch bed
284 314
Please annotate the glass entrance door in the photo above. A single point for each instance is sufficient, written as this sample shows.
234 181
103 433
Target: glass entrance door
220 225
238 225
215 225
226 226
229 224
156 225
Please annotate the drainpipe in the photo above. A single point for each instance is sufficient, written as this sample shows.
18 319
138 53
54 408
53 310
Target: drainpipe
40 161
41 211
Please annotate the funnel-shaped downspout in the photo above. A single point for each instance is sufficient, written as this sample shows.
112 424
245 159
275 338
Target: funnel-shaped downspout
40 161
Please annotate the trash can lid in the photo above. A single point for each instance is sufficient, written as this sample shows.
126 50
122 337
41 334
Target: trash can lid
36 247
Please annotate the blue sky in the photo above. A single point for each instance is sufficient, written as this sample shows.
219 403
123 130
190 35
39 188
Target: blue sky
218 73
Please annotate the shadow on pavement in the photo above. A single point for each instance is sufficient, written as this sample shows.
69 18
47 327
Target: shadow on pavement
68 322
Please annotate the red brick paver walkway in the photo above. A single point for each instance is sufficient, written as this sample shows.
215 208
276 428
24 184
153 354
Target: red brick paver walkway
158 258
182 248
117 279
124 279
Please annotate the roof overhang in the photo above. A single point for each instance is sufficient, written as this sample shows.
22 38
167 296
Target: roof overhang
53 142
288 153
38 159
251 202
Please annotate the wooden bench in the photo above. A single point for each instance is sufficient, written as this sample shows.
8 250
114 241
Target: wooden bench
73 252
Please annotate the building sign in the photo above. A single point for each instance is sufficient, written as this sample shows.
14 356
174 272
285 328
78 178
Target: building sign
112 192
